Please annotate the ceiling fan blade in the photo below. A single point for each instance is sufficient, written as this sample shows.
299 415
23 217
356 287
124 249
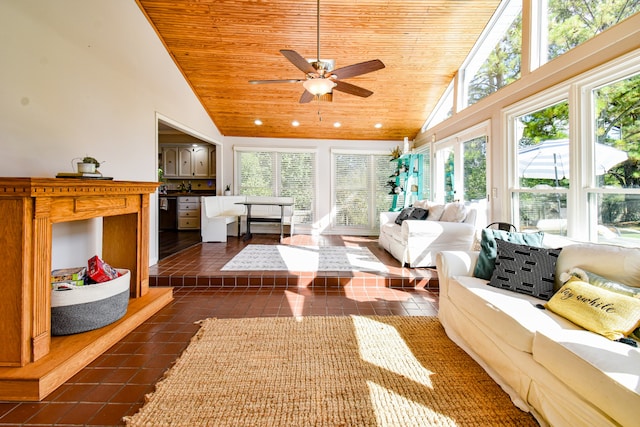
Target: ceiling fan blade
358 69
306 97
296 59
352 89
260 82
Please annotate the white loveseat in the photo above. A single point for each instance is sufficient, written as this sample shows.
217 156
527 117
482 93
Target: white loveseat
218 212
563 374
416 242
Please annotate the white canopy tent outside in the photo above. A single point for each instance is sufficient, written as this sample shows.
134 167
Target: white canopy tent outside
550 159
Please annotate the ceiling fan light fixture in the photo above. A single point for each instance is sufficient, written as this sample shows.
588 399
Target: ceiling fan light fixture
319 86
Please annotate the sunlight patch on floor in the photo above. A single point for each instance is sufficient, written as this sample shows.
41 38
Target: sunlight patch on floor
296 303
406 413
374 340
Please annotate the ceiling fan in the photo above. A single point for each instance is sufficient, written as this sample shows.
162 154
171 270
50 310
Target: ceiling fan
320 77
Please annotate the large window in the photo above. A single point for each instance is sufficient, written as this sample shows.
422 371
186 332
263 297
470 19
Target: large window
360 190
542 139
461 166
572 22
584 184
615 194
475 168
279 173
497 58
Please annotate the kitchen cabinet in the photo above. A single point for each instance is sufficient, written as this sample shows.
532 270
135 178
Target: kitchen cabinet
186 161
170 161
188 213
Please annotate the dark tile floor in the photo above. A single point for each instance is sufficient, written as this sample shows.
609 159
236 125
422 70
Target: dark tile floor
115 384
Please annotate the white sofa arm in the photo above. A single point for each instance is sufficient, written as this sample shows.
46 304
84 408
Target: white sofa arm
454 263
386 217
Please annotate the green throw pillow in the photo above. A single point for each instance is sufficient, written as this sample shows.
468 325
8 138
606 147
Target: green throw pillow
489 249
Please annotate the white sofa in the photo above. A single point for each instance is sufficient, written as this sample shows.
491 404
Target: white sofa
218 212
416 242
563 374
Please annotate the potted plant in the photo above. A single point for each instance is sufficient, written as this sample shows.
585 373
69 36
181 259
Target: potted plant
227 190
88 165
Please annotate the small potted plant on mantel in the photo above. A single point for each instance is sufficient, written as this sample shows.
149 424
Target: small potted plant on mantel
227 190
88 165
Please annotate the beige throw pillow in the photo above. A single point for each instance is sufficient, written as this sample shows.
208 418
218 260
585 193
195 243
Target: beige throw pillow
453 212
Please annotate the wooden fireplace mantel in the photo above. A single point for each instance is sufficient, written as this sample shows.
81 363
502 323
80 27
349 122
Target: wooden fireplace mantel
32 363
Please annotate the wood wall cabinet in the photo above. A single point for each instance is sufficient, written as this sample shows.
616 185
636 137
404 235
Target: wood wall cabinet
170 161
185 161
32 363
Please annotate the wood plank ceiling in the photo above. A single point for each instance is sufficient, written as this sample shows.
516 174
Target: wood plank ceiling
219 45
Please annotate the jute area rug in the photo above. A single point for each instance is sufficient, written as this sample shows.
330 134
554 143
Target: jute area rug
326 371
304 258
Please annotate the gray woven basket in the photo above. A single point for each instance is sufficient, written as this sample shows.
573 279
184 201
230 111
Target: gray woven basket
89 307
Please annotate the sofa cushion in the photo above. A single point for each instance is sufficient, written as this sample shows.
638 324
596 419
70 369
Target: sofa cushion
486 260
525 269
599 310
454 212
598 370
513 317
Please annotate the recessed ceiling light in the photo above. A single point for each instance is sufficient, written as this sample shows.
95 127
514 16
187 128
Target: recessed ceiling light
295 123
258 122
337 124
377 125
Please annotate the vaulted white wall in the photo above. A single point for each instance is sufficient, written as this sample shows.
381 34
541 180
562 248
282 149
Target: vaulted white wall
86 77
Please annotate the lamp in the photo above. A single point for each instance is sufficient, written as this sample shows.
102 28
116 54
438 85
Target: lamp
318 86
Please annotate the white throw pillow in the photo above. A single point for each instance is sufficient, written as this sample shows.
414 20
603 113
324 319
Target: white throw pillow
424 204
435 212
453 212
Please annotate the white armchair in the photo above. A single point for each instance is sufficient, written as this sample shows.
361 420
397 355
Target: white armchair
217 212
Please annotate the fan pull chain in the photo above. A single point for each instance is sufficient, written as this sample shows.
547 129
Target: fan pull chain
319 115
318 30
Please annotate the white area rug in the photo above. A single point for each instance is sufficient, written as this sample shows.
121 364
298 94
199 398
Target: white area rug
304 258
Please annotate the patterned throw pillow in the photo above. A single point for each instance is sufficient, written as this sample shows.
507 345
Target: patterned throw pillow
404 214
411 213
525 269
598 310
488 248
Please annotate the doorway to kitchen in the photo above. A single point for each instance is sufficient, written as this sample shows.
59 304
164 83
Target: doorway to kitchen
187 169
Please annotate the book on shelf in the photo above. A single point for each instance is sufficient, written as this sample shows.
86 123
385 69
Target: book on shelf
88 175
